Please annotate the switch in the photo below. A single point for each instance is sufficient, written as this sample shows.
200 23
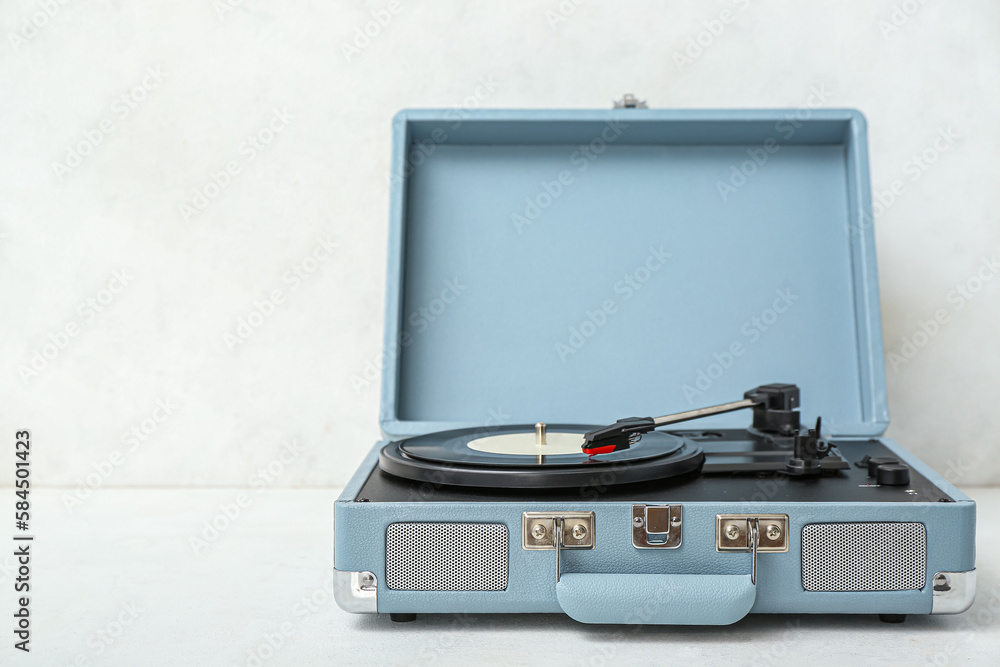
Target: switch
874 463
893 474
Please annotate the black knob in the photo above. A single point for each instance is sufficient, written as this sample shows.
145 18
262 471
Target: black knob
874 463
893 474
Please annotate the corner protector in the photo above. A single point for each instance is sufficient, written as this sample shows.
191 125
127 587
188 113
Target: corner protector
954 592
356 592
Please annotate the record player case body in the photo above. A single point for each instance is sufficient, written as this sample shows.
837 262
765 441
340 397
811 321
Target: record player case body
581 266
912 544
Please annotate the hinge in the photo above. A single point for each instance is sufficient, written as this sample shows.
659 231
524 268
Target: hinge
732 532
756 533
557 531
538 530
630 101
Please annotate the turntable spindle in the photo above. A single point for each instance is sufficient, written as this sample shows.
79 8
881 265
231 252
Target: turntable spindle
540 440
540 434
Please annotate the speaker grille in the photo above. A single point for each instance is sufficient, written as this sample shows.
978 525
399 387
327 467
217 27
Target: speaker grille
446 556
854 557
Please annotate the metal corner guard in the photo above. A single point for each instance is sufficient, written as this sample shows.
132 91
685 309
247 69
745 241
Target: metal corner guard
356 592
954 592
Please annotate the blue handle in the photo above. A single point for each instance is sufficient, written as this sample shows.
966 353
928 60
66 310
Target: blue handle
656 599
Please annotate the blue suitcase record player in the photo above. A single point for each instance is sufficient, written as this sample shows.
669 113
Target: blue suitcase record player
557 280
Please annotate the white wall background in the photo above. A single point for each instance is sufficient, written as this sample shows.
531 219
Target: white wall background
913 68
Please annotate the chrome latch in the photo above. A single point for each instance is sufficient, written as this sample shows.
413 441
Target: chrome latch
630 101
657 526
764 533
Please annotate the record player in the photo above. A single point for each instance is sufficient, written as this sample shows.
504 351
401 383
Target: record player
554 278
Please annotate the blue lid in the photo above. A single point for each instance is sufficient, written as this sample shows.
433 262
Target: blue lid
583 266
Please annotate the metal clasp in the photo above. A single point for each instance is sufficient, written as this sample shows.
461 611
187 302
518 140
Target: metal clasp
657 526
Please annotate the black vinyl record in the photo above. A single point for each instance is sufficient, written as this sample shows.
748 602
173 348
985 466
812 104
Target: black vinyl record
446 458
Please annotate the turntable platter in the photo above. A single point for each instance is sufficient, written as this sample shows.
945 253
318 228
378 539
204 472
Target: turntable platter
508 456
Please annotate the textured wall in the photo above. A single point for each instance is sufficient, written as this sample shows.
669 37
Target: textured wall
166 168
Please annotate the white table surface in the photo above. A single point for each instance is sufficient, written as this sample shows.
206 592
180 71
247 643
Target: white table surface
125 557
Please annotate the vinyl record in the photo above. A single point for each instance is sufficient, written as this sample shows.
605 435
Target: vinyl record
506 457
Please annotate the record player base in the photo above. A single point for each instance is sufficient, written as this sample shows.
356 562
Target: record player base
919 553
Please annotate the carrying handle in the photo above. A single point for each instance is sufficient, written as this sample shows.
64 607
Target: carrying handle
656 599
660 599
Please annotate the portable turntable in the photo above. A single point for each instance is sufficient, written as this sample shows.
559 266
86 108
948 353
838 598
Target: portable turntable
554 276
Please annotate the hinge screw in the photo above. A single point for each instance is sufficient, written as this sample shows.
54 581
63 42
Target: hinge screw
579 531
732 532
538 531
773 532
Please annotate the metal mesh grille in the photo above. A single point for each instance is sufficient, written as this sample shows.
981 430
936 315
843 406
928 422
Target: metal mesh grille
878 556
446 556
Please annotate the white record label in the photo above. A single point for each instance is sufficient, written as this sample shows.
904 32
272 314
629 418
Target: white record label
523 444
